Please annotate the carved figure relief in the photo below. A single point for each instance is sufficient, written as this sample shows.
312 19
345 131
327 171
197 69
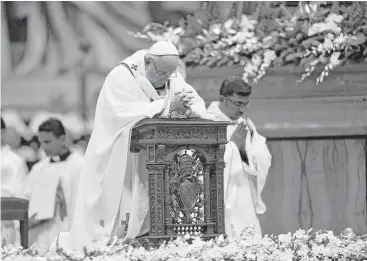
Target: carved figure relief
186 188
151 153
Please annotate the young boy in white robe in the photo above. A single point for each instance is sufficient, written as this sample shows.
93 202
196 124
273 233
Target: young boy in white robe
13 172
51 186
247 159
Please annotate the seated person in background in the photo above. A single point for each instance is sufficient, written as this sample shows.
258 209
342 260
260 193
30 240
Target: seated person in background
51 185
247 159
13 172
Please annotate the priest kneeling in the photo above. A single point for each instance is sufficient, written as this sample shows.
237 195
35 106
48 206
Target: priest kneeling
247 159
51 186
114 181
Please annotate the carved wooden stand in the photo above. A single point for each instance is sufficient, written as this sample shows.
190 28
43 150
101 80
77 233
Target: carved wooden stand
185 166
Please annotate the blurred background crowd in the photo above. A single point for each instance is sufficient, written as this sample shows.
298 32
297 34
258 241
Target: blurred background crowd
21 133
48 40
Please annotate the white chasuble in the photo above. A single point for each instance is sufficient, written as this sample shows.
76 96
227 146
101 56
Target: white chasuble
243 182
114 181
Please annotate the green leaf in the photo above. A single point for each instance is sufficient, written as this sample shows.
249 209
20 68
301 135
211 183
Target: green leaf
194 24
356 40
293 56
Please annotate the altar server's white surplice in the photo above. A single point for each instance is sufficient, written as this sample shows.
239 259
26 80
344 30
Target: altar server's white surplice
243 183
49 185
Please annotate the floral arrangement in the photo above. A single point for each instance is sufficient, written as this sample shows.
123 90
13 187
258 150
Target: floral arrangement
315 34
302 245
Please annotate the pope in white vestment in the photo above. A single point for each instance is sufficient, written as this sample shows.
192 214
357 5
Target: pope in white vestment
247 160
113 181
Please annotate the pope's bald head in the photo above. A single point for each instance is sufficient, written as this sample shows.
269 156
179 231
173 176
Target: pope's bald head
161 61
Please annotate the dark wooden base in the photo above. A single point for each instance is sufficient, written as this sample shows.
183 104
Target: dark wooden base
16 209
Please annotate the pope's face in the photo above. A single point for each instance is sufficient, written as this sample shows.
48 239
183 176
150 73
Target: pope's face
51 144
158 71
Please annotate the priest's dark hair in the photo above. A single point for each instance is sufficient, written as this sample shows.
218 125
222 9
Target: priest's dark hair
234 84
3 126
52 125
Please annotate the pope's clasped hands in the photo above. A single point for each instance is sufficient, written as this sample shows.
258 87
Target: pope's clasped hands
181 103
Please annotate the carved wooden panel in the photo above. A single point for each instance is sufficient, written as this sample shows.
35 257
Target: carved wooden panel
185 166
316 183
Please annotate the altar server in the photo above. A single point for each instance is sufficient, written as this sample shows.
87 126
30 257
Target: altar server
247 159
51 186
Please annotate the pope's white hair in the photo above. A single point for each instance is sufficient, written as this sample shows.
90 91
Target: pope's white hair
161 58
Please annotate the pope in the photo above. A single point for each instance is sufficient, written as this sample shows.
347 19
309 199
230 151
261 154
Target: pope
113 181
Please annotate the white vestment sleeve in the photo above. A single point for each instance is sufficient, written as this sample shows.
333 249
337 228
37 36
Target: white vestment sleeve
119 85
259 164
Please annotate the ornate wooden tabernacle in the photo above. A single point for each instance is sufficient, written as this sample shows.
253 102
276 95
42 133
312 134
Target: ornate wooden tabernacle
185 166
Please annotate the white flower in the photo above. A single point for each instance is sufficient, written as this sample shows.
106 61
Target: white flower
228 26
307 9
287 255
317 249
334 18
300 233
215 28
303 251
256 59
328 45
313 7
334 59
250 68
240 37
247 23
269 55
285 239
178 31
322 27
330 36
